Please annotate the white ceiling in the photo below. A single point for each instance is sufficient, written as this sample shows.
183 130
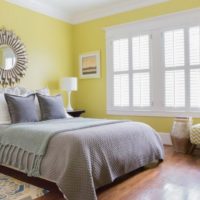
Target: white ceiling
76 11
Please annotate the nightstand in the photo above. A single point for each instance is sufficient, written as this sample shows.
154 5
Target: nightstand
76 113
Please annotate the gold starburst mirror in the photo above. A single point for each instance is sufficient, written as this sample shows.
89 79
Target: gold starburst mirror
13 58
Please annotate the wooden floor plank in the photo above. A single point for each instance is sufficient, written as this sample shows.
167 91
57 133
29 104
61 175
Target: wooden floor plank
177 178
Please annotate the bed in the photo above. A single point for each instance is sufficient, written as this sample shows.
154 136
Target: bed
83 154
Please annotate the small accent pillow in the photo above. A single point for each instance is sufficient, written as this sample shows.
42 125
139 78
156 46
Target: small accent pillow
4 113
43 91
51 107
22 109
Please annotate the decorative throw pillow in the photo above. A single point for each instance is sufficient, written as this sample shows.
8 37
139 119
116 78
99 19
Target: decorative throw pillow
51 107
43 91
22 108
4 113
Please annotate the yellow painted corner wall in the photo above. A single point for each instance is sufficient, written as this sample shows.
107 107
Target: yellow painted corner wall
48 42
90 36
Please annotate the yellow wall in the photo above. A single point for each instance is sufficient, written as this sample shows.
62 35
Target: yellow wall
48 42
54 48
90 36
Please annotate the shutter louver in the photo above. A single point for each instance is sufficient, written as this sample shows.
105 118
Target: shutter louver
121 90
195 88
194 34
174 48
175 88
120 66
141 72
174 78
194 57
120 55
141 90
140 51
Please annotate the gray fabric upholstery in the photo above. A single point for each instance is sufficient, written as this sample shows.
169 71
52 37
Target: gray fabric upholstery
21 109
51 107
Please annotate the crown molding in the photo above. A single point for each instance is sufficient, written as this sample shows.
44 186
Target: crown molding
85 16
180 18
42 8
112 9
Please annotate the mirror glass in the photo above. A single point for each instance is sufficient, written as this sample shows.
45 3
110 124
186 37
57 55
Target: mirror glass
7 57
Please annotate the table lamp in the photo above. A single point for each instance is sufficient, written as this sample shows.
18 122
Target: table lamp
69 84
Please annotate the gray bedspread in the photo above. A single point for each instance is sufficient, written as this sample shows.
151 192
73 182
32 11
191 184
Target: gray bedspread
33 138
80 161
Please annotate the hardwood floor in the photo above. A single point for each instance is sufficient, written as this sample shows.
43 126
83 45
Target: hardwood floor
177 178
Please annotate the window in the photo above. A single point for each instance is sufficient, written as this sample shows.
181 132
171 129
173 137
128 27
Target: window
153 68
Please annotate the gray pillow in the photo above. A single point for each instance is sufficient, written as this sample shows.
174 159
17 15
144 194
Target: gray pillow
21 108
51 107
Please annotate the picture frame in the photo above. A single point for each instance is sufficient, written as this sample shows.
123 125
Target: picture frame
90 65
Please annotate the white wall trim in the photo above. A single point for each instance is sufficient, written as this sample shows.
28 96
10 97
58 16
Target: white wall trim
166 138
62 15
112 9
149 113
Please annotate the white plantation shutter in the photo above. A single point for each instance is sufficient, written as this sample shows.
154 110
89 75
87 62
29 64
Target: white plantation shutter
121 90
194 60
120 55
141 90
175 88
194 40
140 51
120 70
141 72
174 45
195 88
174 48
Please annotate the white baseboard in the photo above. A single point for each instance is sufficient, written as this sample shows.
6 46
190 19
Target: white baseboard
165 137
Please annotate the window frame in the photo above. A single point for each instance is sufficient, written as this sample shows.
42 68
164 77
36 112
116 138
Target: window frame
155 28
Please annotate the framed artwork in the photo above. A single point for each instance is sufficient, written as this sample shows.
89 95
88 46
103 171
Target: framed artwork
90 65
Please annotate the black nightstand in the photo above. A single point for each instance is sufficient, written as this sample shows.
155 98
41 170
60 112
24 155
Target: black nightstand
76 113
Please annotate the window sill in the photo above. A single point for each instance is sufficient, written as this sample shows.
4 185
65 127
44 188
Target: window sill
154 114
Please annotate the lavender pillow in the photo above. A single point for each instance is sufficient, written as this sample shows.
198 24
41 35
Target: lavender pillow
21 108
51 107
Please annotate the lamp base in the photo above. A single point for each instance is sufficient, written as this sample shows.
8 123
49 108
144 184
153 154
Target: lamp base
69 108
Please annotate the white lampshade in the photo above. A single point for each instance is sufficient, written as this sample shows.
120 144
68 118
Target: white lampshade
69 83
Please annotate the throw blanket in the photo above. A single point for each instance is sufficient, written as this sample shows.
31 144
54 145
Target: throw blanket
31 139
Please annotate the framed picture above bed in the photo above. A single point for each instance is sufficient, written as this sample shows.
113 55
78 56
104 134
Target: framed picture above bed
90 65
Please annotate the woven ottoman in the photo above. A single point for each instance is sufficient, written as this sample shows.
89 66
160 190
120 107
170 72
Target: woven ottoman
195 136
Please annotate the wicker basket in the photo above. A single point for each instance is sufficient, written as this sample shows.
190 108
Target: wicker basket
180 134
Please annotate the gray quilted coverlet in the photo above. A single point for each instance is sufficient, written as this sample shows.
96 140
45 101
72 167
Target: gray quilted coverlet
80 161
